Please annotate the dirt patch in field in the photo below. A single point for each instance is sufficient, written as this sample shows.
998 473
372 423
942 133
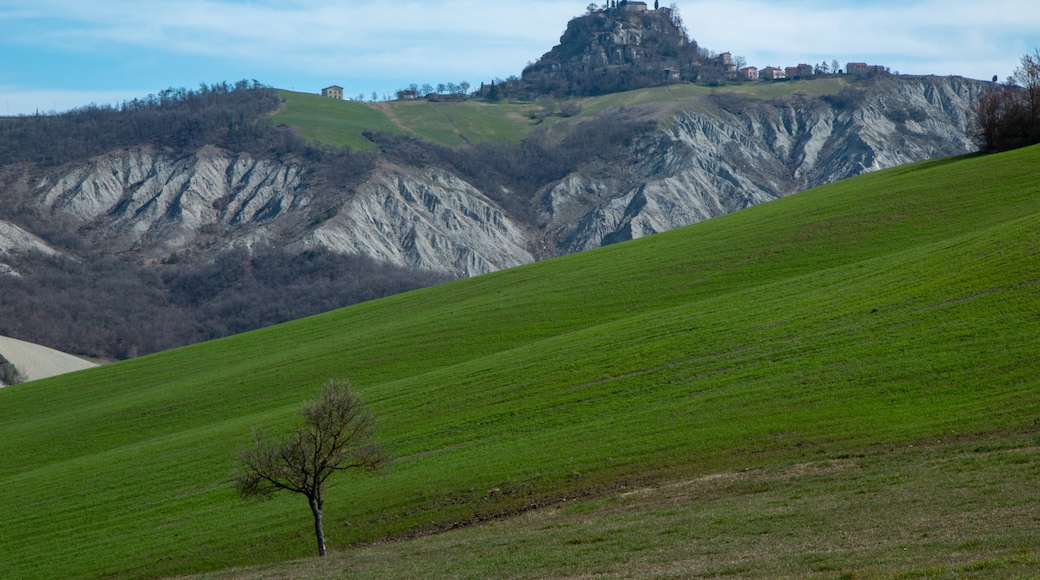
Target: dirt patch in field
39 362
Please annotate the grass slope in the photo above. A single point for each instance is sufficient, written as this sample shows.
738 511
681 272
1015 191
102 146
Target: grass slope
894 308
330 121
342 122
935 511
455 123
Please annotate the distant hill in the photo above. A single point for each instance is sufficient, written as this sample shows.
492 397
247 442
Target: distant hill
428 192
193 214
126 231
613 50
833 342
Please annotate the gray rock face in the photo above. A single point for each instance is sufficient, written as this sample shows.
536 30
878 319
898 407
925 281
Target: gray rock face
705 160
709 164
425 219
15 241
155 204
624 41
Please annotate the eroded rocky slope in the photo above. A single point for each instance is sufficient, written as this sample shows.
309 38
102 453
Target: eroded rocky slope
706 158
157 205
143 248
743 152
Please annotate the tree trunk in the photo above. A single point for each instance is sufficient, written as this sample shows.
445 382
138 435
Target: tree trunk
316 506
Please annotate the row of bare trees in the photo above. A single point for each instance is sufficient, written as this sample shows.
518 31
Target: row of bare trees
180 119
114 309
1008 116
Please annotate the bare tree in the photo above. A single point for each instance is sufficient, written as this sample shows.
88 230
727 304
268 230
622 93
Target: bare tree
1027 76
338 435
1008 116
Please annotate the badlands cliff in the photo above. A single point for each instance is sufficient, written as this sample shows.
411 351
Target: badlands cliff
704 159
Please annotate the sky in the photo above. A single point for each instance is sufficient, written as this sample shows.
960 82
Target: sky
57 55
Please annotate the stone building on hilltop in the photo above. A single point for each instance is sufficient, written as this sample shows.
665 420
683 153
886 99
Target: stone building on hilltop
333 92
862 69
802 71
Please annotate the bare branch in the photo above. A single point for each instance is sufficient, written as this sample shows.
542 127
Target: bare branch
1008 116
338 435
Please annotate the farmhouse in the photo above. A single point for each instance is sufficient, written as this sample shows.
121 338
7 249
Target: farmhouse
771 73
725 60
800 71
333 92
748 73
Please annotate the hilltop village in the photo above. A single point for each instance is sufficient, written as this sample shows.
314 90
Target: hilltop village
617 47
801 71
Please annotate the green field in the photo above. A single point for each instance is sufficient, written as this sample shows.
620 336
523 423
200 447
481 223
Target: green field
872 342
465 122
331 121
886 512
342 122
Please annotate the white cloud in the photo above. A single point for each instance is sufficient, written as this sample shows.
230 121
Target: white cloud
383 45
318 36
915 36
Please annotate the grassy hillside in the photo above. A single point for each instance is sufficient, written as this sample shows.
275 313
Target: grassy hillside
342 122
332 122
892 309
934 511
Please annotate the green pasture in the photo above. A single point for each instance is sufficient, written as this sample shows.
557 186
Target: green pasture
882 513
333 122
685 96
456 123
342 122
465 122
894 309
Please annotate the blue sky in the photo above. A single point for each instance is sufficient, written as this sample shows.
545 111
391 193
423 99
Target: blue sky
60 54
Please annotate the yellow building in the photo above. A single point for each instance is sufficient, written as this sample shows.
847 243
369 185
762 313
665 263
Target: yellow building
333 92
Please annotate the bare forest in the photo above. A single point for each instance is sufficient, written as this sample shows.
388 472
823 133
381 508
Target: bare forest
115 307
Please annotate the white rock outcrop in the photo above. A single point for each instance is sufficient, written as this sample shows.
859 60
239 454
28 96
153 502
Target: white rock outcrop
157 204
16 241
427 219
